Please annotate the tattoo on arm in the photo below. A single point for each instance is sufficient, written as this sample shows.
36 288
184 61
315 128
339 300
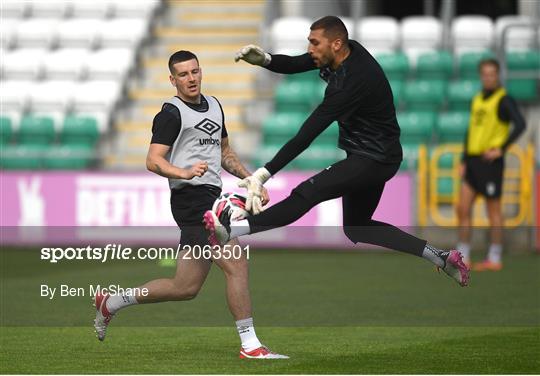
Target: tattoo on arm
231 164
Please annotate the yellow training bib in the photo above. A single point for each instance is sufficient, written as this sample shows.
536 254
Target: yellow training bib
486 130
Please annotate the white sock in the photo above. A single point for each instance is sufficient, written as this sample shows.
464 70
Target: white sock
464 249
246 331
495 252
239 228
434 255
116 302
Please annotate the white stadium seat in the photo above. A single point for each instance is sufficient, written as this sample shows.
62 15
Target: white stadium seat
49 8
90 9
123 32
14 95
289 35
472 33
14 9
49 96
378 34
109 63
8 28
23 64
96 96
516 37
65 63
420 34
36 33
134 8
79 33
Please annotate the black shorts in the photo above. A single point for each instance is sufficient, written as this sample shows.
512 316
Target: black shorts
188 205
485 177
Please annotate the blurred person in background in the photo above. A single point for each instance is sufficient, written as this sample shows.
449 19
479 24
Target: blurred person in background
489 135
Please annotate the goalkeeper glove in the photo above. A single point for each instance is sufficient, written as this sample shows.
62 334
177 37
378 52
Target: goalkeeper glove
254 185
254 55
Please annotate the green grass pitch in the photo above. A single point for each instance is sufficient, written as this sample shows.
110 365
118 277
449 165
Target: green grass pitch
332 312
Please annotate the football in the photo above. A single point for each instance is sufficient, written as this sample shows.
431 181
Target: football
231 201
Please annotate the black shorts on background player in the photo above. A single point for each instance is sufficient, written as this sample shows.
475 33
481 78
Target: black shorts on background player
188 205
485 177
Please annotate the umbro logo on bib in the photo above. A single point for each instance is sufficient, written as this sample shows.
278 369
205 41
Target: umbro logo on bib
208 126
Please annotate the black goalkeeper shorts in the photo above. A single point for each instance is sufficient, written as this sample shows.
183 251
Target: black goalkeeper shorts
188 206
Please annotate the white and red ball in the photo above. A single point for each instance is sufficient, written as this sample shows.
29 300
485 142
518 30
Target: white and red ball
234 202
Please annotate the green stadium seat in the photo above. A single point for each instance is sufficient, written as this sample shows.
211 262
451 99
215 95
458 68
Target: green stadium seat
523 72
410 156
468 63
416 127
329 137
317 157
395 65
6 130
23 157
36 130
266 152
452 126
424 95
280 126
309 76
445 186
69 157
460 94
435 65
397 90
296 96
79 130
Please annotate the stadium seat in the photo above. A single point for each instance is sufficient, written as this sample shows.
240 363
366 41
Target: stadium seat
280 126
36 33
134 8
15 95
468 63
516 38
397 90
472 33
329 137
36 130
109 63
416 126
420 34
424 95
288 35
79 33
23 157
410 156
461 92
49 96
436 65
309 76
452 126
90 9
23 64
378 34
6 129
65 64
79 130
296 96
96 96
266 152
521 64
49 8
317 157
68 157
395 65
122 33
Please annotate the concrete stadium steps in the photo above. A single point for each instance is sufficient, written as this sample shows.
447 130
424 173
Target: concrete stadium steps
213 30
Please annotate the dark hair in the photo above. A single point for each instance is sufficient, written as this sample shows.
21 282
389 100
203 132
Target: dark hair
179 57
333 28
489 61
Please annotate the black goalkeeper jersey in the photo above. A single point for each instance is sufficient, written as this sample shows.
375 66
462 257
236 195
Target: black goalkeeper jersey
358 96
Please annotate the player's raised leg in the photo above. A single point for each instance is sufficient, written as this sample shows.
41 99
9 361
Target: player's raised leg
236 271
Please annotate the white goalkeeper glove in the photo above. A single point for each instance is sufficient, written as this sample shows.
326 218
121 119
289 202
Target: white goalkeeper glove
254 55
254 186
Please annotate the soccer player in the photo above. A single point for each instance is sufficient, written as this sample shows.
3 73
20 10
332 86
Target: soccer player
359 97
189 146
488 137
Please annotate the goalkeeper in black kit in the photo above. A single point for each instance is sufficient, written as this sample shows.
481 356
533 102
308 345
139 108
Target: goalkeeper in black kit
359 97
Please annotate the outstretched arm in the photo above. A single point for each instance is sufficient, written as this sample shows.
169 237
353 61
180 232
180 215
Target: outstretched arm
255 55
